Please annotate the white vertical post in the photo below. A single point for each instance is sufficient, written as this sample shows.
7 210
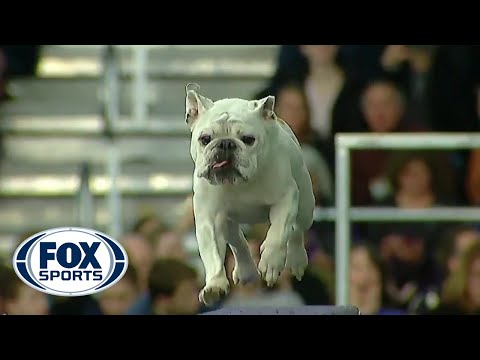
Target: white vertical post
114 195
140 79
342 223
85 204
112 88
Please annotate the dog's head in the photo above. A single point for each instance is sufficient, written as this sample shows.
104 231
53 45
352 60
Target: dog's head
229 136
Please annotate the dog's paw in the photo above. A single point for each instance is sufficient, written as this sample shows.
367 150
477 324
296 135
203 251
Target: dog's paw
244 273
272 263
213 291
297 261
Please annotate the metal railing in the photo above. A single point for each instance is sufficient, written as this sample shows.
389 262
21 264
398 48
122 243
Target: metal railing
344 214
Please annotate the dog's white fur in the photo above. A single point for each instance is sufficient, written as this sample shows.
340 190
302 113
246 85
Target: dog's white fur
271 184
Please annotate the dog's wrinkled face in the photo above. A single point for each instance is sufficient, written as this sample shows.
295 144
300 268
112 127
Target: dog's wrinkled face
229 136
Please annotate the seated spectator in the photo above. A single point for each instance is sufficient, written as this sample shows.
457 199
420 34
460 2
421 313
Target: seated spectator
456 241
361 60
169 244
332 92
419 179
416 181
140 255
383 108
173 289
147 225
118 298
452 247
367 282
455 103
291 105
410 66
461 292
17 298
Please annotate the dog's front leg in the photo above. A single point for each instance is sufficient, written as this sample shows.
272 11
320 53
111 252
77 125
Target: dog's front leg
283 216
211 230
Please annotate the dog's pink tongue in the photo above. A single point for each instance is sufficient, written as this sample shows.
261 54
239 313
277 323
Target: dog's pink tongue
220 164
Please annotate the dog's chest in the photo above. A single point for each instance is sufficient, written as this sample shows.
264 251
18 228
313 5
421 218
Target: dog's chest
249 205
248 214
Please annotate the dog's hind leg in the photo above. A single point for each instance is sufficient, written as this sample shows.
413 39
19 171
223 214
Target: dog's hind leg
245 270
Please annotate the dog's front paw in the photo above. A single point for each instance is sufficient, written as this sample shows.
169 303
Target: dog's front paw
244 273
213 291
272 263
297 260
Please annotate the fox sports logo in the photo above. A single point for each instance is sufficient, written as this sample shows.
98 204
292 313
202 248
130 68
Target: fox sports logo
70 261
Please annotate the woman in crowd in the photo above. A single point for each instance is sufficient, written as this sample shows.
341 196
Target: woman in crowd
367 282
292 106
461 292
416 181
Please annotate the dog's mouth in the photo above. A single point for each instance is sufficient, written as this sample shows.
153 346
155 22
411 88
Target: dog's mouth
221 164
222 171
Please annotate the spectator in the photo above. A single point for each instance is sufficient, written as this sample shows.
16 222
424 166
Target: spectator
117 299
332 92
455 100
383 108
173 287
292 106
461 292
452 247
17 298
416 182
419 179
140 255
367 282
169 245
454 244
410 66
147 225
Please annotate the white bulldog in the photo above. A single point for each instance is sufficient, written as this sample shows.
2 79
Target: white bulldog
248 169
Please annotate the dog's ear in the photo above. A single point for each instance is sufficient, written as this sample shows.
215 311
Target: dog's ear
195 104
266 107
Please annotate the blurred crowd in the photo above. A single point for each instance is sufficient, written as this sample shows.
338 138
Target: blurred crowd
395 268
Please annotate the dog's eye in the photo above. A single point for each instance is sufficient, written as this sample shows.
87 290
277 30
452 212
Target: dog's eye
205 139
248 140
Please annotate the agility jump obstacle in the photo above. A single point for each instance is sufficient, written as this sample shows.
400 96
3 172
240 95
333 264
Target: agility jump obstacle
343 214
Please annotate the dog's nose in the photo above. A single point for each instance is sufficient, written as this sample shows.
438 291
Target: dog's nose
227 144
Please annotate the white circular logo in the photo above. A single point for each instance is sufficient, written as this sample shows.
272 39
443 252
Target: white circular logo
70 261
